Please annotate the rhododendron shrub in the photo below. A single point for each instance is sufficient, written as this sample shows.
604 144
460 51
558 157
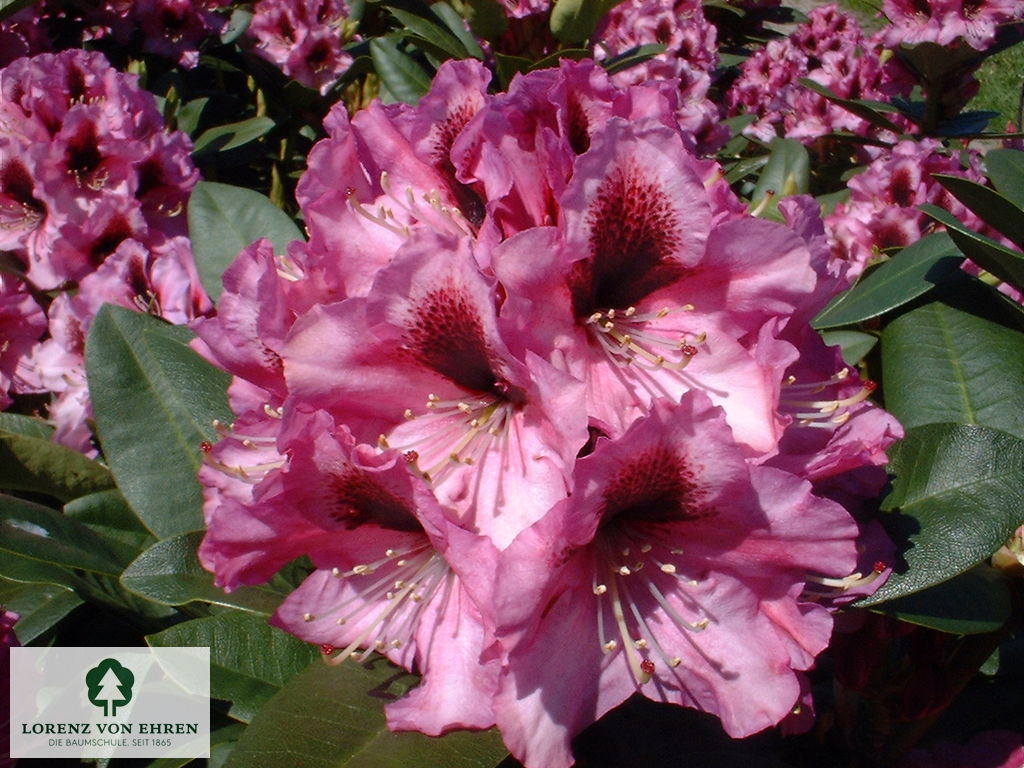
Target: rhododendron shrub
93 193
665 321
604 383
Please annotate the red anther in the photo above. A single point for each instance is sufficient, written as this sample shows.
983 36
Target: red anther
411 457
206 446
326 649
350 191
689 350
647 666
870 386
879 566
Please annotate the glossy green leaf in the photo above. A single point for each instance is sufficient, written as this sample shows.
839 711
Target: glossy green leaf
574 21
854 345
223 220
222 138
972 603
912 272
36 533
42 466
989 254
509 66
40 606
154 400
249 659
858 108
237 24
457 26
957 495
332 717
169 572
943 364
404 79
1005 167
10 7
788 172
426 31
486 18
25 425
990 206
632 57
109 514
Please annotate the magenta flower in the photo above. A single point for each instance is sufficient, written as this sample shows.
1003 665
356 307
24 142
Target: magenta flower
674 570
379 541
642 297
493 434
945 21
303 38
22 324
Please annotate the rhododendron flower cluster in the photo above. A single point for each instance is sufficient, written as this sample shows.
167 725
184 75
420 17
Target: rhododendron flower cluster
945 21
831 49
539 393
303 38
92 195
882 210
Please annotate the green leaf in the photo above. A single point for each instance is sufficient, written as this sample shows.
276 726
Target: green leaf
41 606
223 220
959 492
25 425
10 7
854 344
188 114
35 464
250 660
987 253
445 43
403 77
457 26
154 400
486 18
972 603
237 24
858 108
632 57
788 172
990 206
30 531
942 364
510 66
573 21
109 514
332 717
169 573
222 138
1005 167
912 272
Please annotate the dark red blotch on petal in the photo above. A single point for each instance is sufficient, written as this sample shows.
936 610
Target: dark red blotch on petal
634 232
656 486
448 337
357 498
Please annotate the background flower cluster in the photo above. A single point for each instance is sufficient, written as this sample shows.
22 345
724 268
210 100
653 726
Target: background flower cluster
538 368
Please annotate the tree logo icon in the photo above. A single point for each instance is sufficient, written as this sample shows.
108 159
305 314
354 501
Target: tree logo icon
110 685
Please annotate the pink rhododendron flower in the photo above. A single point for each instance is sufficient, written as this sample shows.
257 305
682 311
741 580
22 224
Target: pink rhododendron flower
944 21
91 195
831 49
532 320
673 570
22 324
881 211
690 56
303 38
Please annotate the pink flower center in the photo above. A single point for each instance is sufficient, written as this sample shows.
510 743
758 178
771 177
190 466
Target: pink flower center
805 403
390 596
